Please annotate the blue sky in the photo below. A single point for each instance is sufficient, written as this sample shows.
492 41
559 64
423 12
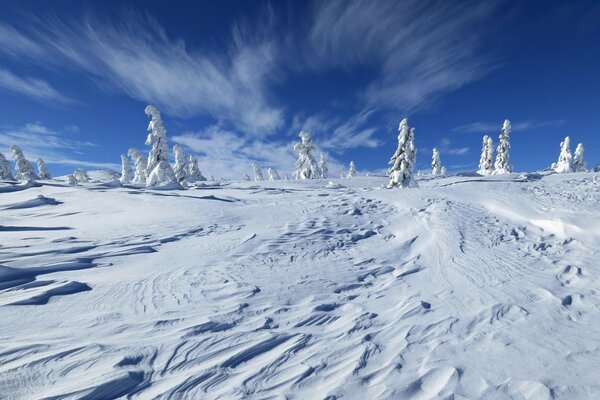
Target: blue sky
237 81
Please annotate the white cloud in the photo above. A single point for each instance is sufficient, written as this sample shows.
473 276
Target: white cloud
489 128
35 88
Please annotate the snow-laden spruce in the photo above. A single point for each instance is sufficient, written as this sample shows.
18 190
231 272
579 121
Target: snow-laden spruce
444 171
436 165
403 160
486 161
258 175
194 174
141 163
502 164
351 170
579 164
72 180
306 166
126 171
273 175
22 165
5 170
565 158
81 175
43 169
323 171
159 170
182 167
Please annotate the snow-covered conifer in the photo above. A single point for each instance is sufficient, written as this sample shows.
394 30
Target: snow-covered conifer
502 164
182 167
258 176
403 160
486 161
579 164
126 171
194 174
273 175
43 170
565 159
159 170
141 163
436 166
246 177
5 170
81 175
306 166
444 171
72 180
323 171
22 165
351 170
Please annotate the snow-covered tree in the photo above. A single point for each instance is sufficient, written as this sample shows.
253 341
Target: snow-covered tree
141 163
502 164
579 164
486 161
246 177
23 166
258 176
436 165
273 175
306 166
194 174
403 160
565 159
126 171
43 170
323 171
159 170
5 170
182 167
351 170
72 180
444 172
81 175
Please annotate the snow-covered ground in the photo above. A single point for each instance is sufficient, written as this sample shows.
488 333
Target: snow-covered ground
462 288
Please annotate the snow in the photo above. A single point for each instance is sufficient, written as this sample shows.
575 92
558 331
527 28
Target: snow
466 287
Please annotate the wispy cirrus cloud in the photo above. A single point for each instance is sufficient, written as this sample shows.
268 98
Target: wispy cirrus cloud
484 127
37 89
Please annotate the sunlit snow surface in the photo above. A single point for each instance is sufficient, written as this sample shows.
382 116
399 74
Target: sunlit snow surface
465 287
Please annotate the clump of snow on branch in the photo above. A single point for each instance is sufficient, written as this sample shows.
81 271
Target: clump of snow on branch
436 165
503 164
351 170
565 158
81 175
579 164
486 161
182 168
126 171
141 163
43 169
159 170
273 175
323 171
194 174
306 166
23 166
403 160
258 176
5 170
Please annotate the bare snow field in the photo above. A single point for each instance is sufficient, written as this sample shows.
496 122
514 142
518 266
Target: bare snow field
464 288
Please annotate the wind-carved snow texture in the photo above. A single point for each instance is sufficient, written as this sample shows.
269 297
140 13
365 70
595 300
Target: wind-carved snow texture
466 287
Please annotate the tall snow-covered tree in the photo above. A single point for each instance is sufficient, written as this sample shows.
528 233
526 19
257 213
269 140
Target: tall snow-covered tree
182 167
579 164
258 175
43 170
5 170
565 159
81 175
351 170
323 171
403 160
503 164
436 165
306 166
194 174
273 175
141 163
486 161
159 170
23 166
126 171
